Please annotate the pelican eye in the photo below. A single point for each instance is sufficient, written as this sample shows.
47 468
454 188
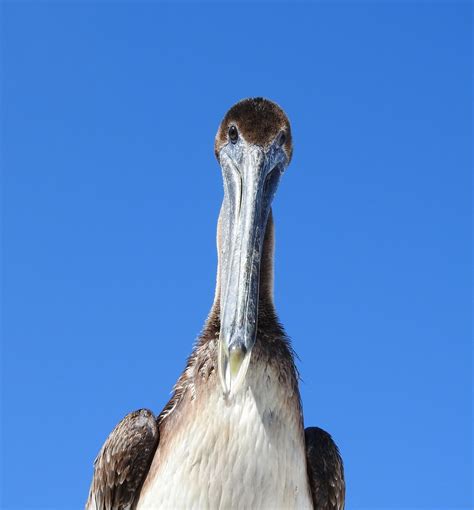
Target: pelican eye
233 134
281 139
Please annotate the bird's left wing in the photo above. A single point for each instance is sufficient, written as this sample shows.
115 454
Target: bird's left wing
123 462
325 470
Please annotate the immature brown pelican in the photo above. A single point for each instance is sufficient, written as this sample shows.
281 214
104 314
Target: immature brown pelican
232 434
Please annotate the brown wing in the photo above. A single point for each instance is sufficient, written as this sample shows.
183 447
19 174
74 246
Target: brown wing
123 462
325 470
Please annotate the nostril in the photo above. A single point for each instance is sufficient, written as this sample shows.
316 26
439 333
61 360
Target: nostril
281 138
271 173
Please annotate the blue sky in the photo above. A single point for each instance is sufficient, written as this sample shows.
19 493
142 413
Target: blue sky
110 199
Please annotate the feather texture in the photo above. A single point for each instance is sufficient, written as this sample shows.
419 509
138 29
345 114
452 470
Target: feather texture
325 470
123 462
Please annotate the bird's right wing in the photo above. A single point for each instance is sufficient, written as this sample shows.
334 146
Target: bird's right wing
325 470
123 462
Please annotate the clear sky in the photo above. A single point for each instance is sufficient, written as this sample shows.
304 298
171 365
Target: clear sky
110 199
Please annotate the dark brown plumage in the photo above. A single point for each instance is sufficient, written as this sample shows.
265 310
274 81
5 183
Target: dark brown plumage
123 462
325 470
258 120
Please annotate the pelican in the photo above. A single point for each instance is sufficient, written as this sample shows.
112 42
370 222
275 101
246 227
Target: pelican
232 434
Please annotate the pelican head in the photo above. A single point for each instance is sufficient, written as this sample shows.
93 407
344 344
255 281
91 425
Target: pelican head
253 146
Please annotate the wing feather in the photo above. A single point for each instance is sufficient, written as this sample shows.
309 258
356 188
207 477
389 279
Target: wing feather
325 470
123 462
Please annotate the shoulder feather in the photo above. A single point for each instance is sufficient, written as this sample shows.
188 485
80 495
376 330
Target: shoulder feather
325 470
123 462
